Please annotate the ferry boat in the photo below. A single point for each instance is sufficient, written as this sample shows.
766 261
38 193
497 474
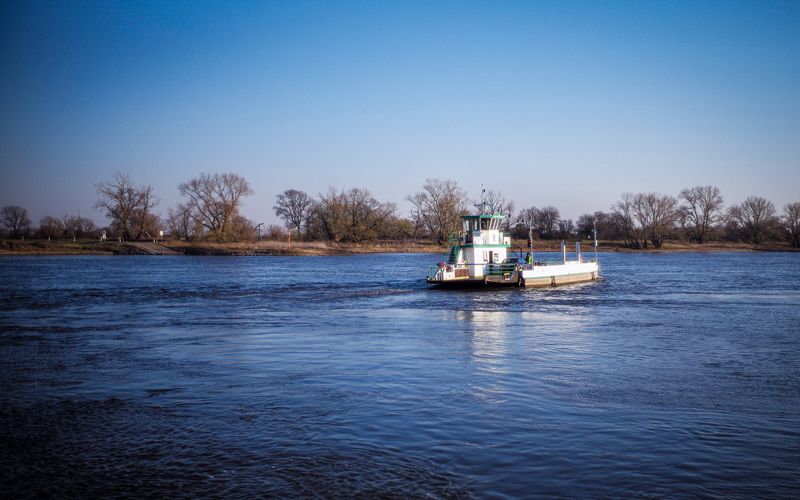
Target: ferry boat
480 256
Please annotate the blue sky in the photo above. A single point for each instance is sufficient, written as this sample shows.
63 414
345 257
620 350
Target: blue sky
552 103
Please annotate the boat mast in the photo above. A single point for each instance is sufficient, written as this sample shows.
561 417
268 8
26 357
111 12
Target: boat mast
594 231
530 237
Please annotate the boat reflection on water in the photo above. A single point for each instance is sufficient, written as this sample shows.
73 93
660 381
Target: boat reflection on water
489 333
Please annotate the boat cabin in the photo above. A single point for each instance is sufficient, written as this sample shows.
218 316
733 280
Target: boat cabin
481 243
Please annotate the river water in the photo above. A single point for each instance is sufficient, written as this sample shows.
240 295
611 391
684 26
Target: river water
676 375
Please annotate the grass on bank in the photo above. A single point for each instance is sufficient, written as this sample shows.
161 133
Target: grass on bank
62 247
267 247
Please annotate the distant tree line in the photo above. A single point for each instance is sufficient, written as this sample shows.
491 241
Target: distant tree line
698 214
641 220
15 223
211 211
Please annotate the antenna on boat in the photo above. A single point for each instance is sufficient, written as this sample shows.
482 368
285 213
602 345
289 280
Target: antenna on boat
482 205
594 231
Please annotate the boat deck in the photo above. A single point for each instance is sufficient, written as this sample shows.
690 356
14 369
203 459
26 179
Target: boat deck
528 275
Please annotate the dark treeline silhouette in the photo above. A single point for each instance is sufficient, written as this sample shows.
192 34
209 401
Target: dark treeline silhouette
211 211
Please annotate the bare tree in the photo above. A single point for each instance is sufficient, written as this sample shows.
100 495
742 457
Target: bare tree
544 221
525 222
16 221
87 228
495 203
71 225
701 212
240 228
213 201
755 218
603 222
275 232
365 214
51 227
791 223
353 215
397 228
128 207
179 222
608 226
623 215
75 226
585 225
292 207
656 215
438 208
144 221
566 229
328 216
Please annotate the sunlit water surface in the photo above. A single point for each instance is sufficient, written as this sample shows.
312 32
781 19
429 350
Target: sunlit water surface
676 375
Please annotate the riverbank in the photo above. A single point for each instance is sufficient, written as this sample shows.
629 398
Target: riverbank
65 247
266 248
682 246
301 248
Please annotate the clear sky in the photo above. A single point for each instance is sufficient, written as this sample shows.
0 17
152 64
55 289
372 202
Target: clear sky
552 103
